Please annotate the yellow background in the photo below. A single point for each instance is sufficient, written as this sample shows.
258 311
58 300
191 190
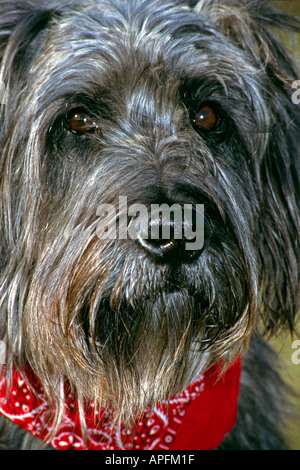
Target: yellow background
283 344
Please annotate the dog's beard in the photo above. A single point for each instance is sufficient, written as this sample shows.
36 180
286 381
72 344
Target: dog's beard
125 330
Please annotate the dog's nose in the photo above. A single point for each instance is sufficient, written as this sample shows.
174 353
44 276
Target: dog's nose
171 240
165 249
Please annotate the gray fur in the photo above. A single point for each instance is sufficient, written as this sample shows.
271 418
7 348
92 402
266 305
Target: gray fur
76 307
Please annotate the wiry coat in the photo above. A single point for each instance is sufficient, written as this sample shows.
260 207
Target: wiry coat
123 328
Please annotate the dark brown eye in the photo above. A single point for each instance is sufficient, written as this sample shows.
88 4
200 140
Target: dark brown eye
80 122
207 119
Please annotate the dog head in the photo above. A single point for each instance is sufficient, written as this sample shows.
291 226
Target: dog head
162 103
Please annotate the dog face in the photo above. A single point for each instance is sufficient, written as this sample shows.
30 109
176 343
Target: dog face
158 102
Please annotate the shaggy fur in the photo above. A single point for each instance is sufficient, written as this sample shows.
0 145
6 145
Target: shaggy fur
124 328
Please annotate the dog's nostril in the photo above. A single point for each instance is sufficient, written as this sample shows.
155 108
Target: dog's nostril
159 248
162 250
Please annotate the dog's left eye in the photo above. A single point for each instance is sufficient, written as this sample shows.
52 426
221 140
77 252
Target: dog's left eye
208 118
80 122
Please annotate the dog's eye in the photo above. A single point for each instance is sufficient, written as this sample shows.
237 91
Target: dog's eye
80 122
208 118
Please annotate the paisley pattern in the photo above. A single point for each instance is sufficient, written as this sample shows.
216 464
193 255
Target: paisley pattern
181 423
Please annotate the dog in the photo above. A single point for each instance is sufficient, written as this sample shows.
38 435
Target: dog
139 342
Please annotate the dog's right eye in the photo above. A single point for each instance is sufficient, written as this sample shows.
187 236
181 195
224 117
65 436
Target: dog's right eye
80 122
211 122
207 118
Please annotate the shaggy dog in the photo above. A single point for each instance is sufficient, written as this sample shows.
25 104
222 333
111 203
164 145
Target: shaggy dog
137 342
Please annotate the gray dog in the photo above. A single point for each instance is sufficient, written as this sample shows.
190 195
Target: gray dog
111 340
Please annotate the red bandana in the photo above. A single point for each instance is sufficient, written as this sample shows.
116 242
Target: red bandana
197 419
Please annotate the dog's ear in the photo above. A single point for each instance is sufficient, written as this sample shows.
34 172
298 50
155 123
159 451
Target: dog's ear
247 24
21 24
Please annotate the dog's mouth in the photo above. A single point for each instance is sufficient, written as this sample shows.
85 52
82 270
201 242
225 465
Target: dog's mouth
169 277
150 346
164 296
156 346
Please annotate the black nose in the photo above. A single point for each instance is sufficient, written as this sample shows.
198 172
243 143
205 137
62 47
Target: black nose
173 241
